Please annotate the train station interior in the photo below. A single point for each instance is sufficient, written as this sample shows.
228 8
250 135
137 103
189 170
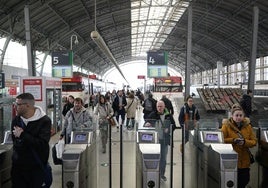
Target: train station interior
214 51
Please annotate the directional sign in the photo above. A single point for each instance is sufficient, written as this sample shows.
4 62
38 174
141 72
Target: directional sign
141 77
157 64
62 64
156 58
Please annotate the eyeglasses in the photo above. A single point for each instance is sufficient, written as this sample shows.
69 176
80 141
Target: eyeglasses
19 104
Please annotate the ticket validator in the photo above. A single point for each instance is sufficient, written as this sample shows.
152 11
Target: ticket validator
77 160
147 159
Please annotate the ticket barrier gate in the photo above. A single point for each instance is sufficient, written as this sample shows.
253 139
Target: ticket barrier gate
147 159
5 162
262 152
77 159
206 134
222 166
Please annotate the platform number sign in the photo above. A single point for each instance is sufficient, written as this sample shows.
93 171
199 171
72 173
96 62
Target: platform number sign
157 64
62 63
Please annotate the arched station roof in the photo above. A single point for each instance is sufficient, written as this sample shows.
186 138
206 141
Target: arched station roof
221 30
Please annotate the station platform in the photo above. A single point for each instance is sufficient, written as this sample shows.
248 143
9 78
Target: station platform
129 150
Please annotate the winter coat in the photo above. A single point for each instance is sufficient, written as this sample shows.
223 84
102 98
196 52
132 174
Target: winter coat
116 103
246 105
185 114
104 110
230 129
131 107
168 105
35 137
66 108
75 120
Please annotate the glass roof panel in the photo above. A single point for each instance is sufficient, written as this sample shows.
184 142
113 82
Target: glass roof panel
152 21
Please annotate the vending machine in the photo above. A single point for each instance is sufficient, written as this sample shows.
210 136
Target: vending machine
47 94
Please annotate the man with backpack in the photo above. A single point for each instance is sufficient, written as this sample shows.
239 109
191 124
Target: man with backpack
149 106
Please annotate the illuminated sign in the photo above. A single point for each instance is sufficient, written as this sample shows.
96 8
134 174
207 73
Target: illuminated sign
62 64
157 64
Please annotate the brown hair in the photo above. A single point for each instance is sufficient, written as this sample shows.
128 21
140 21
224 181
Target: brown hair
236 107
78 99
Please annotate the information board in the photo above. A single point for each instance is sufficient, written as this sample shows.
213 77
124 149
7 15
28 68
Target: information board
157 64
62 64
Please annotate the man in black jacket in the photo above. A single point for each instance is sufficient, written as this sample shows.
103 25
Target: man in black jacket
246 103
165 123
119 104
30 134
168 104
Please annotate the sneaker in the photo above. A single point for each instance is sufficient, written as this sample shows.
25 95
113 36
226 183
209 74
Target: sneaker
164 178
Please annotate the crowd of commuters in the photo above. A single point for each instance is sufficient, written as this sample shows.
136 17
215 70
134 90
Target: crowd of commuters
31 128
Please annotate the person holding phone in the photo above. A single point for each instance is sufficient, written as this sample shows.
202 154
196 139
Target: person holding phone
238 131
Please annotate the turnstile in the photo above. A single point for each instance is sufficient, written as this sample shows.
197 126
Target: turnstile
222 166
79 161
5 160
206 138
74 162
148 158
262 153
200 139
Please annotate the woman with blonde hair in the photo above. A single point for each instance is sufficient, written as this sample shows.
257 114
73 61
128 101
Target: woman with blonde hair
238 131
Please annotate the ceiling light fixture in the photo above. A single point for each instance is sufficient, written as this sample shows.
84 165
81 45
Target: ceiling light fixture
96 37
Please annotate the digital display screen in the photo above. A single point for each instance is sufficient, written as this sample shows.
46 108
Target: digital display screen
147 137
81 137
212 137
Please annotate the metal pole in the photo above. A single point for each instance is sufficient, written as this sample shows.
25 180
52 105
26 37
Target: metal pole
171 157
182 157
121 156
110 155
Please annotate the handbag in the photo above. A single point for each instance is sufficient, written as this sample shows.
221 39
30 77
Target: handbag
112 121
56 160
251 156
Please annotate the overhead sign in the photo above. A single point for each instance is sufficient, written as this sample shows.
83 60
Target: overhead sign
141 77
92 76
156 58
157 64
62 64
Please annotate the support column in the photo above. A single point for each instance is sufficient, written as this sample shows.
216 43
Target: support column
189 52
252 62
31 64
